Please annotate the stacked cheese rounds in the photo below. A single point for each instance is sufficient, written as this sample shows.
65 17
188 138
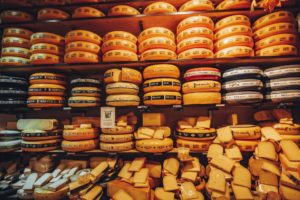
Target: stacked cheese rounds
197 5
46 48
15 46
243 85
10 140
86 12
122 87
234 5
283 83
123 10
46 90
119 46
233 37
77 138
195 38
157 43
82 46
202 86
52 13
159 8
85 92
15 16
275 34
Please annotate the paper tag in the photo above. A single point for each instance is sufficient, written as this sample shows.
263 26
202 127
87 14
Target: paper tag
108 117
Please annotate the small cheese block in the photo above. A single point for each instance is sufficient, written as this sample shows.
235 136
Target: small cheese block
241 193
209 168
192 166
224 134
223 162
125 173
270 133
158 134
43 180
270 167
242 177
58 185
141 176
216 181
214 150
216 194
161 194
190 176
234 153
289 193
137 164
122 195
171 165
146 131
291 150
29 183
155 169
183 124
93 193
188 191
154 119
268 178
266 150
287 164
170 183
203 122
98 171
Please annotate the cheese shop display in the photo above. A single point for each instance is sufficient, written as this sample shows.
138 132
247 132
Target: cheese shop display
52 13
85 12
159 8
10 140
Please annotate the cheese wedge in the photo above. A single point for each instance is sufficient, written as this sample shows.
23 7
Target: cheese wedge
171 165
203 122
270 133
214 150
97 172
223 162
141 176
161 194
188 191
270 167
289 193
291 150
234 153
29 183
285 180
155 169
137 164
242 177
216 181
170 183
268 178
266 150
224 134
125 173
241 192
287 164
190 176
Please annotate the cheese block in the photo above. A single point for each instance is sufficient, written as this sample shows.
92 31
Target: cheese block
44 59
156 32
122 88
245 72
38 135
195 53
243 97
202 98
194 42
15 42
157 43
12 92
86 91
121 194
80 57
13 61
235 52
201 86
234 153
234 5
243 85
82 46
161 194
126 75
39 146
278 50
43 194
45 101
232 31
216 181
39 124
47 78
162 98
231 21
120 35
17 32
202 73
122 10
266 150
196 134
237 40
79 146
283 83
274 29
287 181
154 119
14 16
87 12
222 162
46 89
247 145
161 84
46 48
45 37
291 150
119 56
197 5
116 147
51 13
288 192
287 164
198 146
9 135
83 35
161 71
123 100
15 52
214 150
85 82
158 54
245 132
118 44
116 138
159 8
195 21
195 32
279 39
118 130
282 71
83 101
284 96
242 177
154 145
241 192
78 134
287 129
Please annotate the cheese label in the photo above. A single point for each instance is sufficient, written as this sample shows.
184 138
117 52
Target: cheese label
229 97
284 82
162 97
36 145
282 70
238 84
202 72
108 117
41 134
195 32
44 101
161 83
285 95
237 72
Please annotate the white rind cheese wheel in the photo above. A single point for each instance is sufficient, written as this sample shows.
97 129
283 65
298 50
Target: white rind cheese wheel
86 91
46 48
235 52
116 138
15 52
232 31
15 42
158 54
231 21
156 32
195 32
195 21
162 84
196 5
83 35
17 32
46 89
195 42
45 101
123 10
123 100
83 46
154 145
280 39
234 4
193 145
51 13
274 29
157 43
79 146
119 44
10 16
116 147
196 53
39 146
11 61
122 88
278 50
238 40
45 37
80 57
161 71
120 35
83 101
118 130
201 86
44 59
120 56
79 134
162 98
86 12
202 98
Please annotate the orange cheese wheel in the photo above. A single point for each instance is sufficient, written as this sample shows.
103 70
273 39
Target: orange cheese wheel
78 134
279 39
235 52
158 8
79 146
15 52
86 12
231 21
234 4
195 32
195 21
119 56
233 30
120 35
274 29
156 32
46 48
83 101
47 78
45 101
158 54
162 98
11 61
278 50
45 37
82 46
197 5
161 84
51 13
15 42
44 59
123 10
238 40
46 90
157 43
161 71
10 16
195 42
196 53
83 35
17 32
80 57
40 146
119 44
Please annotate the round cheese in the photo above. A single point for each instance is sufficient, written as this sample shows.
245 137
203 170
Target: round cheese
195 21
47 77
14 16
287 129
44 59
280 39
235 52
154 145
162 98
87 12
243 85
46 90
8 146
196 5
80 57
15 42
12 92
120 56
232 31
283 83
46 48
234 5
231 21
123 10
158 54
79 146
202 98
294 138
193 145
86 91
51 13
116 138
282 71
17 32
162 84
10 81
122 88
196 53
45 37
50 2
284 96
274 29
39 135
12 102
116 147
161 71
245 132
195 42
85 82
82 46
247 145
157 43
245 72
39 146
45 101
83 101
43 194
6 135
118 44
118 130
13 61
83 35
156 32
243 97
15 52
195 32
202 73
196 134
159 8
79 134
278 50
120 35
238 40
201 86
123 100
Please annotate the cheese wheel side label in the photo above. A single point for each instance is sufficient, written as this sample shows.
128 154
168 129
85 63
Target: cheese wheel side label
243 96
194 135
197 73
243 84
161 83
45 101
285 95
46 78
274 83
25 145
282 71
162 97
44 134
243 71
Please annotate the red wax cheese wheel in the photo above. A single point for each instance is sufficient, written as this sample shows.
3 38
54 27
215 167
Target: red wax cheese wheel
45 101
157 43
234 4
46 48
156 32
278 50
44 59
197 5
121 10
232 31
195 32
82 46
120 35
78 146
202 73
119 56
119 44
195 21
195 42
47 78
239 40
51 13
83 35
17 32
158 54
15 52
196 53
235 52
11 61
46 90
10 16
45 37
274 29
86 12
15 42
80 57
279 39
159 7
231 21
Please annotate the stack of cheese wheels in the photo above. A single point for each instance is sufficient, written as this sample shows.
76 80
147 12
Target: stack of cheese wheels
10 140
154 135
120 137
161 88
159 8
195 38
39 134
46 90
283 83
243 85
157 43
15 16
82 46
77 138
13 91
87 12
122 87
234 4
119 46
275 34
196 5
15 46
46 48
52 13
233 37
123 10
202 86
86 92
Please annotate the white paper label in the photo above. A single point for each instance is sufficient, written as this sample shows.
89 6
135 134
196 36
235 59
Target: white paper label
285 95
243 71
282 71
108 117
274 83
196 73
244 96
243 84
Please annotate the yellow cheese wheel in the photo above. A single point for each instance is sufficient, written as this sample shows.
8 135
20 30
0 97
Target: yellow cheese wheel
83 101
79 146
195 21
80 57
120 35
238 40
43 194
234 4
161 71
157 43
231 21
274 29
121 10
116 147
78 134
158 54
46 48
86 91
247 145
278 50
15 42
47 78
46 90
162 84
195 32
280 39
15 52
162 98
17 32
156 32
44 59
158 8
11 61
235 52
232 31
119 56
196 53
201 86
202 98
295 138
39 146
118 44
124 75
45 101
82 46
195 42
83 35
10 16
123 100
51 13
45 37
118 130
122 88
197 5
196 134
193 145
112 76
154 145
86 12
116 138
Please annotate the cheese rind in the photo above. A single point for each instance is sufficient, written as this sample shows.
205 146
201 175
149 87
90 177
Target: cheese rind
118 44
122 10
155 32
119 56
278 50
193 145
154 145
116 147
123 100
161 84
162 98
195 21
231 21
86 12
82 46
158 8
80 146
120 35
17 32
196 5
233 30
202 98
122 88
45 37
83 35
274 29
161 71
51 13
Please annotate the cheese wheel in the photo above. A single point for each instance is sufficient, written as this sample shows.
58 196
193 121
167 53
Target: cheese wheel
10 81
154 145
51 13
234 5
196 134
162 98
17 32
235 52
83 35
122 88
46 90
83 101
9 102
12 92
9 135
43 194
245 132
47 77
243 97
118 130
80 57
156 32
86 91
44 59
196 5
50 2
15 52
45 37
14 16
193 145
45 101
238 40
39 135
195 21
112 76
131 75
120 35
120 56
87 12
79 134
195 42
13 61
283 83
202 73
278 50
40 146
294 138
116 138
280 39
119 44
247 145
202 98
243 85
162 84
161 71
231 21
232 31
79 146
123 10
284 96
85 82
201 86
282 71
46 48
274 29
123 100
15 42
159 8
195 32
245 72
196 53
157 43
287 129
8 146
116 147
158 54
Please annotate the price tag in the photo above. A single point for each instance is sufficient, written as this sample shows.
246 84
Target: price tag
108 117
